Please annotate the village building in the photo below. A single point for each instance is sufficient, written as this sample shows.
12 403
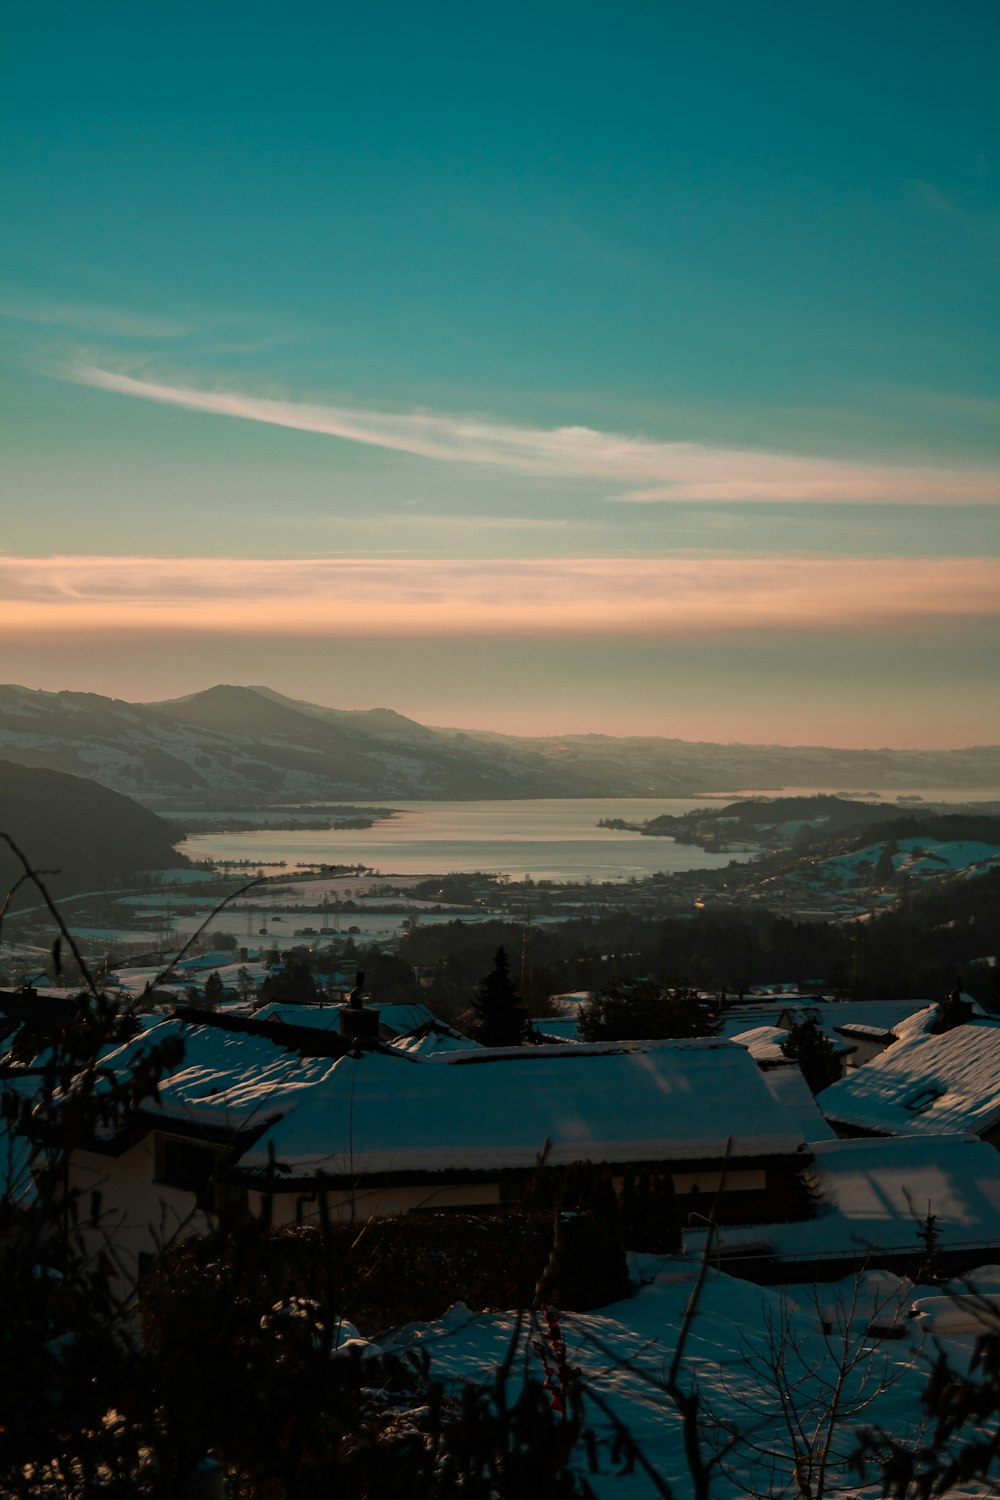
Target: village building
859 1029
893 1204
927 1083
393 1020
266 1111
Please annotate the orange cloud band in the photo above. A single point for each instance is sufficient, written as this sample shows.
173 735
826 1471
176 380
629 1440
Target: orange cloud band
359 597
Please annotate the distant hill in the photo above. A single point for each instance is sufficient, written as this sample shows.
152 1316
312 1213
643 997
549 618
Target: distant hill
90 836
231 746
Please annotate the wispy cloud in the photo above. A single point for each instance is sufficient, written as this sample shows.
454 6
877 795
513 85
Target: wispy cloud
91 319
378 597
952 206
645 470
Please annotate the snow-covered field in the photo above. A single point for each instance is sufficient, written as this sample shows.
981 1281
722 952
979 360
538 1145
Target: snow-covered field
921 857
752 1353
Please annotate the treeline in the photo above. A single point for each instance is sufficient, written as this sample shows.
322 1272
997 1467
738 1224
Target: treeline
922 948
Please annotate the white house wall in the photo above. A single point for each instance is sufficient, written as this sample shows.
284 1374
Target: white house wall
138 1215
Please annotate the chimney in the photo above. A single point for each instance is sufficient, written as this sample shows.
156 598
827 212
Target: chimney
357 1022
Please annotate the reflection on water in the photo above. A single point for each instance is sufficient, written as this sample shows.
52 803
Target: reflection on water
548 839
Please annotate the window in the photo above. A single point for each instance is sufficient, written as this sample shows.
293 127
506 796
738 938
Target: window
921 1101
186 1164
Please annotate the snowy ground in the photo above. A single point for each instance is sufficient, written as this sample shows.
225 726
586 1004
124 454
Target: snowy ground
624 1352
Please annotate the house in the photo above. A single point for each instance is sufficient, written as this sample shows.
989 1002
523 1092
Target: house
925 1084
260 1110
30 1017
764 1043
394 1020
859 1029
387 1132
556 1028
872 1201
869 1026
156 1166
791 1091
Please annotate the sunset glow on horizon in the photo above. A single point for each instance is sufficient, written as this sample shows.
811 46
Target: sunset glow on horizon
533 377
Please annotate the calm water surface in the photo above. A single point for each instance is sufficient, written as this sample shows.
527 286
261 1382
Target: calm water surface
547 839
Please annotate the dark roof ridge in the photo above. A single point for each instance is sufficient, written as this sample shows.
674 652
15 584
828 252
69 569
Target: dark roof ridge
308 1041
586 1049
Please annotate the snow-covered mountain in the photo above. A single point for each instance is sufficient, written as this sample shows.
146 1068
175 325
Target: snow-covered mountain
231 745
239 744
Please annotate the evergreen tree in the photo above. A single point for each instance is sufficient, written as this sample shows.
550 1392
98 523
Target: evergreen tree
635 1010
293 985
499 1016
215 990
245 984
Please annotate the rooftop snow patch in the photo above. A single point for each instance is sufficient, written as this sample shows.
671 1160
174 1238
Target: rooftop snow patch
433 1039
793 1093
319 1017
924 1085
493 1111
872 1195
229 1080
394 1018
764 1045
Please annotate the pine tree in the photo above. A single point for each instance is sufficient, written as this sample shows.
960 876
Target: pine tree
215 990
500 1018
292 985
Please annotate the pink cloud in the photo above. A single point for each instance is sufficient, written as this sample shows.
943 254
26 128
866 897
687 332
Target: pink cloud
378 598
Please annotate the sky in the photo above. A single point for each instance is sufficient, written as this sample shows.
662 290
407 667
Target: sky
551 368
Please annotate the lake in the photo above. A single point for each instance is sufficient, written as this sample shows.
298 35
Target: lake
546 839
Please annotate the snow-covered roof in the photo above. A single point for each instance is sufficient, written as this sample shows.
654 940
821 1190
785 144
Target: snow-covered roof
764 1044
924 1085
319 1017
873 1194
400 1019
229 1080
875 1019
432 1040
396 1019
496 1110
874 1015
793 1093
558 1028
737 1019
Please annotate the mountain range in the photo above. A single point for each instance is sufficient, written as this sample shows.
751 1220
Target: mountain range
244 746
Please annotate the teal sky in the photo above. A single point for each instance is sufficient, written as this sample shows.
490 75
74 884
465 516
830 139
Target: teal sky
547 368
